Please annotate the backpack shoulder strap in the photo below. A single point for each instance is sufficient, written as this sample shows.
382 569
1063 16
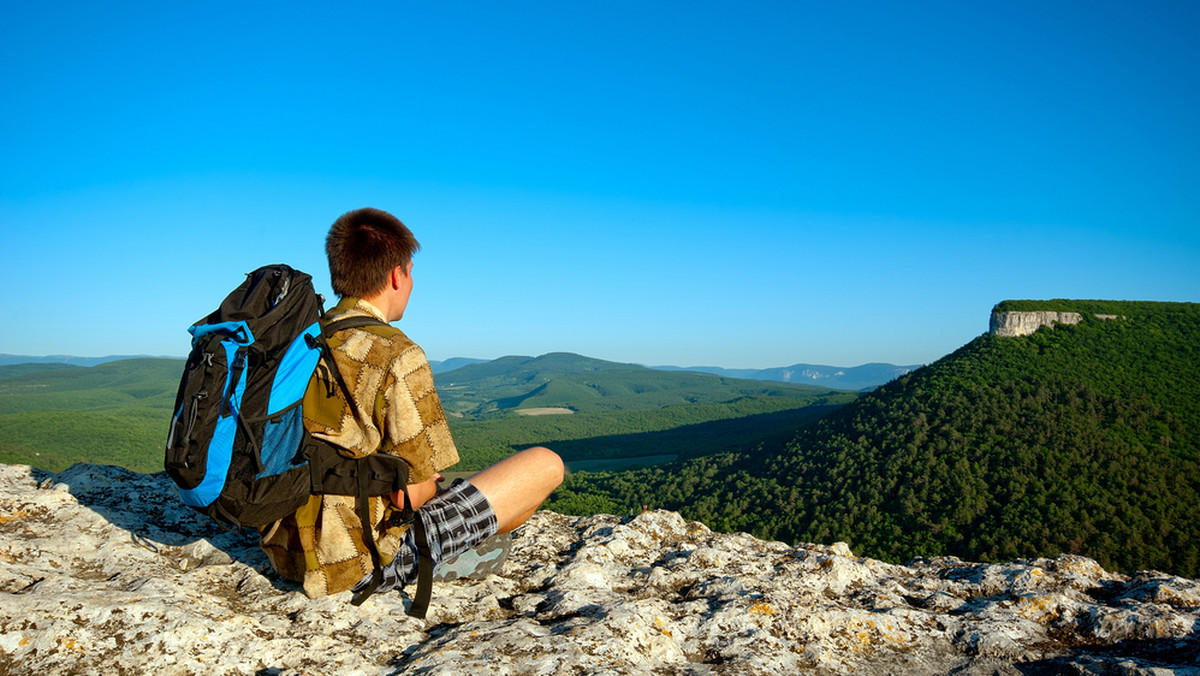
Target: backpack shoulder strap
352 322
322 342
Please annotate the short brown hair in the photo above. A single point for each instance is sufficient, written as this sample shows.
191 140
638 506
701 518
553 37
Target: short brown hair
363 247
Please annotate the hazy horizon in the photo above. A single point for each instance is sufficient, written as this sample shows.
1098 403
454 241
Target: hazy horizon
114 357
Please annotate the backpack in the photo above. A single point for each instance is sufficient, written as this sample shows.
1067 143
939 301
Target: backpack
237 447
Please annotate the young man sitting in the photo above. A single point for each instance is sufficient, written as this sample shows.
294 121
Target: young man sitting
398 412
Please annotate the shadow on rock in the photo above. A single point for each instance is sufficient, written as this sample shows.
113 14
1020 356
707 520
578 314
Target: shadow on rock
1162 655
149 508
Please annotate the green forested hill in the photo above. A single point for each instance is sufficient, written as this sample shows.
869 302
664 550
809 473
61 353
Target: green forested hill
1080 438
39 387
52 415
587 385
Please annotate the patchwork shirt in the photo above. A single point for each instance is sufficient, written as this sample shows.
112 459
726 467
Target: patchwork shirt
322 545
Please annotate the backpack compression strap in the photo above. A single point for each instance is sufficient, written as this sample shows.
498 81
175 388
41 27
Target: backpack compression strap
368 535
420 602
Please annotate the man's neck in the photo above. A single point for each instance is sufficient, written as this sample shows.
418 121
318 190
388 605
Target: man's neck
381 303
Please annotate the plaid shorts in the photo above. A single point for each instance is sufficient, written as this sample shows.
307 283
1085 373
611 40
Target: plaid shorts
455 520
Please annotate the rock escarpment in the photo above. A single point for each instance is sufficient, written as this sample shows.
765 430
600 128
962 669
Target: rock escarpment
104 570
1022 323
1025 323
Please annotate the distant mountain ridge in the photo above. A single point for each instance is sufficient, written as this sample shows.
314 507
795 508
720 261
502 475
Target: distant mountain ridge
11 359
866 376
438 366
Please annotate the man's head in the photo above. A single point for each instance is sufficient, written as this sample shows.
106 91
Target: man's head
364 247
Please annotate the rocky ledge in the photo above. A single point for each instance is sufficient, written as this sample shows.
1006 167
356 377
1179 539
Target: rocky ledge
103 570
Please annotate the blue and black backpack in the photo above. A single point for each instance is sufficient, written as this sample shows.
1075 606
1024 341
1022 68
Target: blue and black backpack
237 447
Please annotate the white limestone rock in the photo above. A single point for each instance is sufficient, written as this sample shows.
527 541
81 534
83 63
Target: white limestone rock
1025 323
104 570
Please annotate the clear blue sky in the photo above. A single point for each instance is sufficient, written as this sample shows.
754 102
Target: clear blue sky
691 183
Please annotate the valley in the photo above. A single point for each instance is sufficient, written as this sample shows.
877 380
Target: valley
1081 437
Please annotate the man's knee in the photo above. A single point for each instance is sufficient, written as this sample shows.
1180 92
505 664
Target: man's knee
549 464
529 475
516 486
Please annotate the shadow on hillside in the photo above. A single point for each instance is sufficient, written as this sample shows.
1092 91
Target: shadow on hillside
149 508
768 430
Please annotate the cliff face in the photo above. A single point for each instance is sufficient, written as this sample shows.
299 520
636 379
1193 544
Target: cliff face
104 570
1025 323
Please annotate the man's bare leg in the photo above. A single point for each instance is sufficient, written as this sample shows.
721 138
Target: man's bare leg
516 486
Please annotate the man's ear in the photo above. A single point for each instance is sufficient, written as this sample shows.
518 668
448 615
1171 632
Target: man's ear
398 273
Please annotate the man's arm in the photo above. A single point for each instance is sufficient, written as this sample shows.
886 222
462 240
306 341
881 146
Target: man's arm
420 493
